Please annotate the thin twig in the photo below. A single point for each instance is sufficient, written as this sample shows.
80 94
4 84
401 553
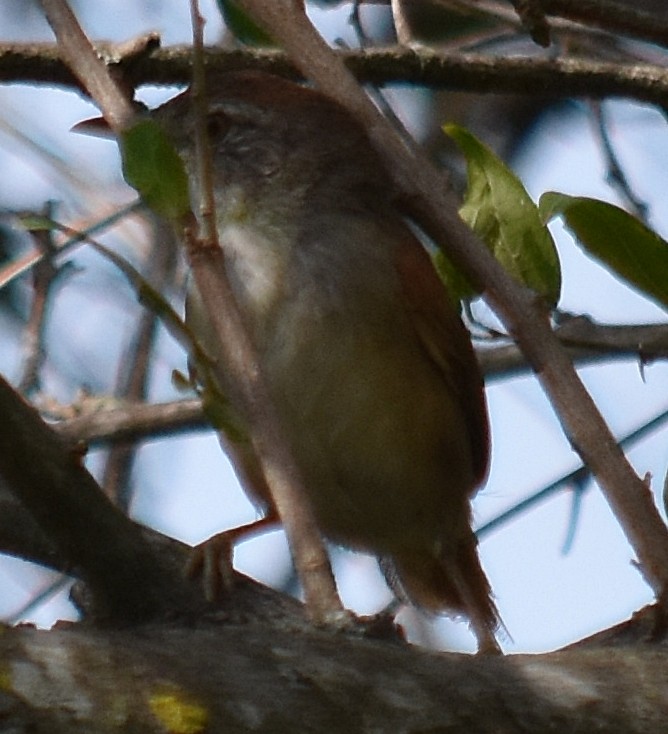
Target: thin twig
135 366
615 175
613 17
79 54
45 275
237 365
402 25
53 587
578 476
133 422
586 341
468 72
15 269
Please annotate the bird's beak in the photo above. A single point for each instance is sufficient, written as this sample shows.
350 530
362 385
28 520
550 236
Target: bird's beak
96 126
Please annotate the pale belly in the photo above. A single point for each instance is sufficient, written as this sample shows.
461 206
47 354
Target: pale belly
380 440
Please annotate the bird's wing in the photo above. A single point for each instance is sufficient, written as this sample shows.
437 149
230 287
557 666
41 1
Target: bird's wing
447 341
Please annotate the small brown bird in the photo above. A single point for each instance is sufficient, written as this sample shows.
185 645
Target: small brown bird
372 371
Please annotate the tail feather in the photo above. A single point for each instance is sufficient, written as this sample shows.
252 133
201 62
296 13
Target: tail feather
450 582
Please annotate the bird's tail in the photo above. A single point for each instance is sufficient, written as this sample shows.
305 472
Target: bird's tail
451 581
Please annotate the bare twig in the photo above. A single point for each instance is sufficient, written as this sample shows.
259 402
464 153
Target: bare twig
615 175
135 421
469 72
612 17
402 25
133 382
15 269
79 54
577 477
585 341
237 363
44 278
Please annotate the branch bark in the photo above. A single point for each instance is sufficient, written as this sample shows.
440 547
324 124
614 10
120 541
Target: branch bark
128 580
266 675
468 72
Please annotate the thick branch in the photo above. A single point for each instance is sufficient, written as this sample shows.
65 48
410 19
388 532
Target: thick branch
264 676
129 581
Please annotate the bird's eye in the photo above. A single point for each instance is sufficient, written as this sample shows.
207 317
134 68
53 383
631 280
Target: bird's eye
217 125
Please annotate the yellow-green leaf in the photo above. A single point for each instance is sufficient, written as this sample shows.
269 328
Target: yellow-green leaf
499 209
616 239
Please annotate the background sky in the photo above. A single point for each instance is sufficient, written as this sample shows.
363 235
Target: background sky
559 571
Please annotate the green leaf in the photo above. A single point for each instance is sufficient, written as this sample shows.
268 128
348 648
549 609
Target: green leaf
616 239
501 212
153 167
457 284
244 29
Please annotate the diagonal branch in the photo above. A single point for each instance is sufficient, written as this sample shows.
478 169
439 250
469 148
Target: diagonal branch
128 580
428 198
235 354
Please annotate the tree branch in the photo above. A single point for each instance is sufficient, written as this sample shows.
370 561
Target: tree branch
264 675
235 363
133 421
467 72
612 17
585 341
129 582
608 15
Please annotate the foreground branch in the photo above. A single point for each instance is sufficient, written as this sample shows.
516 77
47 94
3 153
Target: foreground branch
235 362
128 580
264 675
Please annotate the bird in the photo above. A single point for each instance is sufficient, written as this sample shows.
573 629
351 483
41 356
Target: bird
368 363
